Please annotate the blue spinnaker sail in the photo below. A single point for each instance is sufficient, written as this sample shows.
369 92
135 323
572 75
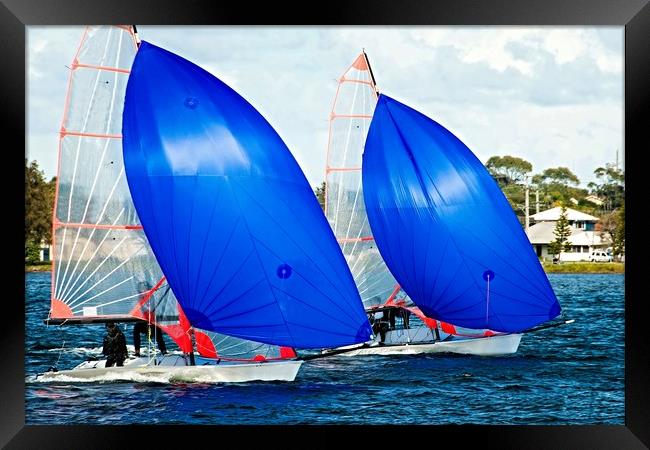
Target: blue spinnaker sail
229 214
445 229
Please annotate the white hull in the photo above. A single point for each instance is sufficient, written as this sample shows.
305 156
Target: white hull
173 369
484 346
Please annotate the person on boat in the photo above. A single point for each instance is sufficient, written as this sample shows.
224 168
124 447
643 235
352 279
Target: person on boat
148 328
406 314
392 313
114 346
380 325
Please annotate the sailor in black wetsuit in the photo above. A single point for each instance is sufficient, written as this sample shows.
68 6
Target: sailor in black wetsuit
114 346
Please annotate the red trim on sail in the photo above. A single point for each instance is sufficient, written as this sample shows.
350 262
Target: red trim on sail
259 358
360 63
97 226
342 169
146 295
287 352
448 328
361 239
350 116
105 68
59 309
204 345
178 335
63 132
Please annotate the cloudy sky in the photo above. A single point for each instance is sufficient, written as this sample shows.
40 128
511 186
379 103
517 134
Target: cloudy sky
550 95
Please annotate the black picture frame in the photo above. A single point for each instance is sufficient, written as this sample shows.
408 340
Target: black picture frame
634 15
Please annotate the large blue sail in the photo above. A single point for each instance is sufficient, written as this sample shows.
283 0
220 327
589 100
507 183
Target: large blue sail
229 214
445 229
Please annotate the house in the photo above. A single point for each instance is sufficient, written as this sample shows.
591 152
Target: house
593 199
45 252
584 238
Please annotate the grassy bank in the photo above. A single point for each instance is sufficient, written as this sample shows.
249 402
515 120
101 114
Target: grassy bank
585 267
45 267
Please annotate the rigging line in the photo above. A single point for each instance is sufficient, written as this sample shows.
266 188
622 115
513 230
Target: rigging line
76 162
372 285
73 300
344 160
366 272
103 292
379 277
114 301
92 257
354 212
92 189
110 196
370 251
66 107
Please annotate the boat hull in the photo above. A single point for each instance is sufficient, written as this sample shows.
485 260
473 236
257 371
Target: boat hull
170 370
483 346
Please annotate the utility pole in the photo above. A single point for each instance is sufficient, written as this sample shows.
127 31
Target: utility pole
527 205
537 201
527 213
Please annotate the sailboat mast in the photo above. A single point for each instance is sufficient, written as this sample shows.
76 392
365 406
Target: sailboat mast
372 75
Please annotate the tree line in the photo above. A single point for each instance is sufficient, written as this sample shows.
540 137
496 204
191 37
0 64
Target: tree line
557 186
39 202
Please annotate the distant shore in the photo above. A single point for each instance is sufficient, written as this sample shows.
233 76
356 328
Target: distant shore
584 267
38 267
566 267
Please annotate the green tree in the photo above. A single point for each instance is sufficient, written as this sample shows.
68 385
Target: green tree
508 169
614 225
610 186
39 199
32 252
320 195
561 176
561 232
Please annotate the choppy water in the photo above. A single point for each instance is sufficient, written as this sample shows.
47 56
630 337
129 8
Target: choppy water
572 374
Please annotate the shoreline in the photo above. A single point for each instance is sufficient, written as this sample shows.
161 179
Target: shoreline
566 267
585 267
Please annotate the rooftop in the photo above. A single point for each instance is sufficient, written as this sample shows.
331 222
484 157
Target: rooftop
542 233
553 214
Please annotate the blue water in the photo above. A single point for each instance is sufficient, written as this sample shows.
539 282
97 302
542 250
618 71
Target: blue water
572 374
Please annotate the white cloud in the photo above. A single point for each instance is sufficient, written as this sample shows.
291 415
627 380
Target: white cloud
550 95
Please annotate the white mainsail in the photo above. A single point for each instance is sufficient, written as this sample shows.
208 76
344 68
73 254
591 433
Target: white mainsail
354 103
103 267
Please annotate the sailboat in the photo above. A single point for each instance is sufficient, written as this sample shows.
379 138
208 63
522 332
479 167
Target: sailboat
445 229
349 120
105 268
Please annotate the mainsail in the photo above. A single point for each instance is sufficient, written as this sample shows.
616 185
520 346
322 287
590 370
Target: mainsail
349 120
103 267
229 214
445 229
